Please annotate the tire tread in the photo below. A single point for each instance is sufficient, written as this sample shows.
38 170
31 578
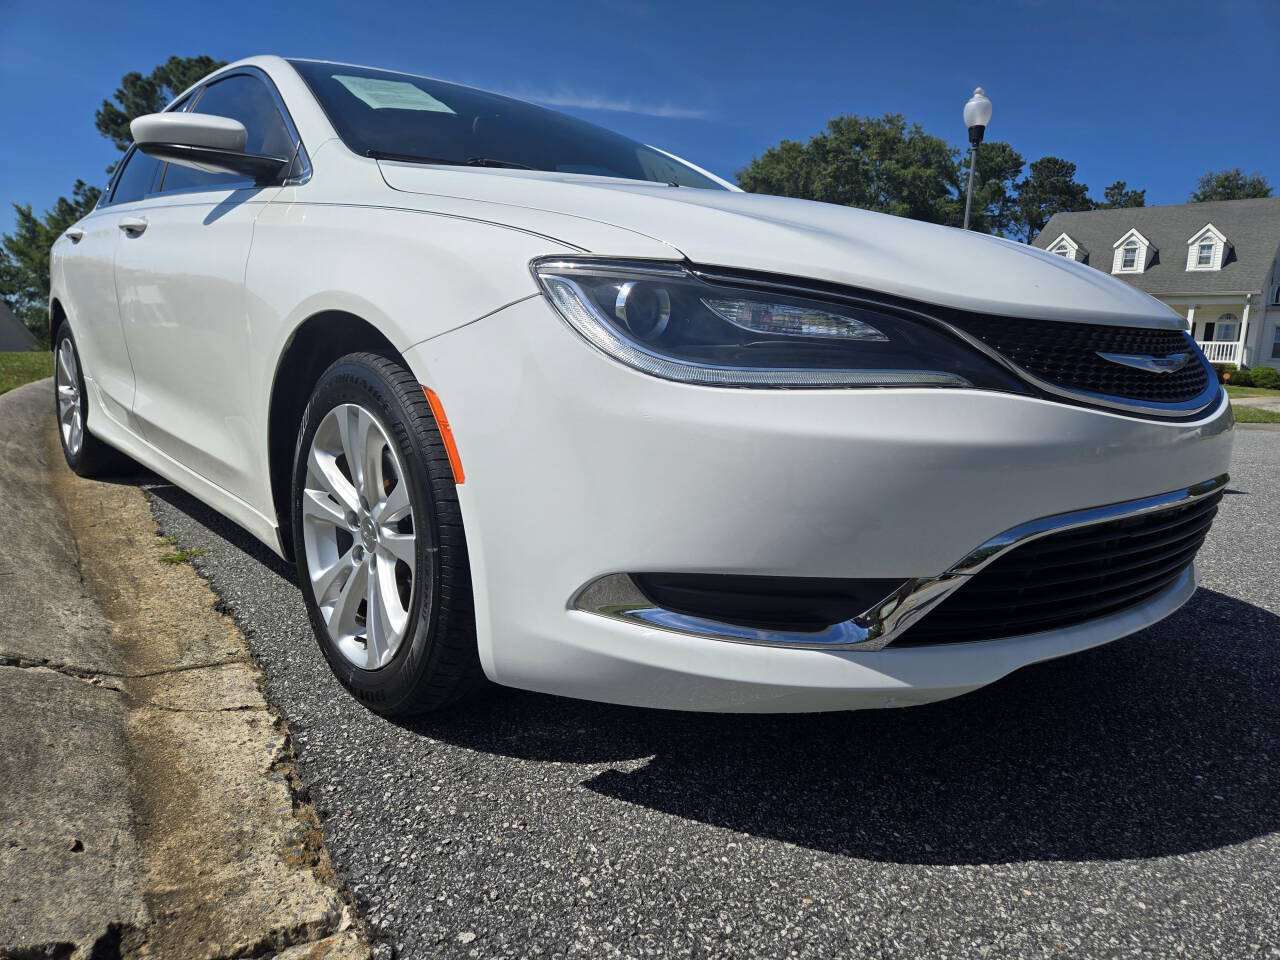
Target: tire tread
451 669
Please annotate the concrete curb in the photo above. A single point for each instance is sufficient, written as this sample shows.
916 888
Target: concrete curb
148 800
1271 404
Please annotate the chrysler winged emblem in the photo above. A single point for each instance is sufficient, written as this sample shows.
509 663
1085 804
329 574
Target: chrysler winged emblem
1139 361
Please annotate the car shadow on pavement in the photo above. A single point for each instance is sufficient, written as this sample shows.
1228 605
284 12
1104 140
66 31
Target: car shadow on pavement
206 516
1163 743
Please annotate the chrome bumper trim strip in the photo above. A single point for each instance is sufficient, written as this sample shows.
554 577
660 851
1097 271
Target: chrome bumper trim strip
616 596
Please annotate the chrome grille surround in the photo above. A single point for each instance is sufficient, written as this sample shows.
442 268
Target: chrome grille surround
1066 359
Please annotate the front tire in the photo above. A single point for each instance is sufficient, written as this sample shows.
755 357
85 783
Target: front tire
381 554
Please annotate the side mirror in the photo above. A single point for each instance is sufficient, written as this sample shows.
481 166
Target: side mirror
204 142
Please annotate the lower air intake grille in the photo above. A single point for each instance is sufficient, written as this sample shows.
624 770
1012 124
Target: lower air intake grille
1070 577
1066 355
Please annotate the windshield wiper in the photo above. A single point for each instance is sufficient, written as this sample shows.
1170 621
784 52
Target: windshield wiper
469 162
490 162
412 158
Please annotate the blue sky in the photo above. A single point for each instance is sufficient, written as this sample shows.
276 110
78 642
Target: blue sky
1151 93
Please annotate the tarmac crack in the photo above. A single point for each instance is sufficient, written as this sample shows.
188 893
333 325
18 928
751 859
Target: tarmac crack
94 678
165 671
236 709
82 673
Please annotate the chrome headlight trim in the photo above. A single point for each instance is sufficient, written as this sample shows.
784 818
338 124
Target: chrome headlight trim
575 306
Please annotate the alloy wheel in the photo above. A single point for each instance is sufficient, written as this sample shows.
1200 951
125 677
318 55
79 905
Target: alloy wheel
360 536
67 384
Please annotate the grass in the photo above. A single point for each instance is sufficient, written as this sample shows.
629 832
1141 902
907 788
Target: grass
1251 392
1254 415
181 556
19 368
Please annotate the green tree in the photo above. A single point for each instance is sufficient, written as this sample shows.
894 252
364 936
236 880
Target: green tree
138 95
1233 184
1119 195
995 189
24 255
876 163
1050 187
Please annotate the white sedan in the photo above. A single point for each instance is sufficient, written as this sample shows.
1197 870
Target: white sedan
529 401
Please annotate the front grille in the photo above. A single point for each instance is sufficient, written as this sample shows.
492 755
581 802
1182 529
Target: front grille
1066 355
1070 577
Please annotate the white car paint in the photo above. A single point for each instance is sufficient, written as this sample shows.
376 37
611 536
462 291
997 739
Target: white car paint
821 241
577 466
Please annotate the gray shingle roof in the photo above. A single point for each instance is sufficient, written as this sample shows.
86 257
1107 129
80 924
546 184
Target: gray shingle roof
1252 229
13 333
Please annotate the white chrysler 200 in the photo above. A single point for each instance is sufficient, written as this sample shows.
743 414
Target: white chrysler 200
528 400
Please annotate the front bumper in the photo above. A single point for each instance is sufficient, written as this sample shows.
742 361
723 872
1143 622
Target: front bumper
578 468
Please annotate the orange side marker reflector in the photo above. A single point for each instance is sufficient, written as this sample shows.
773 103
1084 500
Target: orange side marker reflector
446 434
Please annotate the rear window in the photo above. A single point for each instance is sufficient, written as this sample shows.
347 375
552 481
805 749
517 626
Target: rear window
399 116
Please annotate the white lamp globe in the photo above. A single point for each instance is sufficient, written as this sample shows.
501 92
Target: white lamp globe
977 111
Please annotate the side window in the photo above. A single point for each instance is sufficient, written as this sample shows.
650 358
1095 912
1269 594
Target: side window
242 98
136 179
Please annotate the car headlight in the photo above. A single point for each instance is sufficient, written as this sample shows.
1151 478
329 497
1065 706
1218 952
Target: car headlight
667 321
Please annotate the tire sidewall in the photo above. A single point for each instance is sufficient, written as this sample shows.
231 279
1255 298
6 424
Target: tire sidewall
385 689
77 461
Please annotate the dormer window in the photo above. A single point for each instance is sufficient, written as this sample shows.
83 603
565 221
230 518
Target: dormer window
1133 253
1207 250
1068 249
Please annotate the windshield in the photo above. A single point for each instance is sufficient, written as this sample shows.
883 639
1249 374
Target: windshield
396 116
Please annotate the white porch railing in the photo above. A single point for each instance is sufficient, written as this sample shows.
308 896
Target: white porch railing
1222 351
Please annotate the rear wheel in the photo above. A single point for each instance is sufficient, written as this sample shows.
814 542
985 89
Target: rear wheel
85 454
382 560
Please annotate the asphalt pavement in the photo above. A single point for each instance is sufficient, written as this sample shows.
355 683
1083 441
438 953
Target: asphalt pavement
1123 802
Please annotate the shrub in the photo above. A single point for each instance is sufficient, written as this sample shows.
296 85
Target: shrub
1268 377
1223 369
1239 378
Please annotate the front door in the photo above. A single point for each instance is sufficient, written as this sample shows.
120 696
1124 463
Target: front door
182 298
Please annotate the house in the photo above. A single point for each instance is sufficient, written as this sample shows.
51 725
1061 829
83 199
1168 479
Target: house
1215 263
14 334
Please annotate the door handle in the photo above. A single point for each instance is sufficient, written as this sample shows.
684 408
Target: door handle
75 234
133 225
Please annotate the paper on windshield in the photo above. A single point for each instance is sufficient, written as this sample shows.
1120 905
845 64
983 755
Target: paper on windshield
391 94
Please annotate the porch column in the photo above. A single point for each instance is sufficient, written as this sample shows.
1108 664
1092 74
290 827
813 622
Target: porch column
1191 320
1244 333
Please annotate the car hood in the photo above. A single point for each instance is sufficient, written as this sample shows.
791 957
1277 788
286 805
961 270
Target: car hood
802 238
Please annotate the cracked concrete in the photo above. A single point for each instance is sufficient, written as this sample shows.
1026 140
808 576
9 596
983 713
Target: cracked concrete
69 859
67 850
148 805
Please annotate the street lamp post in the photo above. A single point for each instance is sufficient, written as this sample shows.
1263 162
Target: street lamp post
977 114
